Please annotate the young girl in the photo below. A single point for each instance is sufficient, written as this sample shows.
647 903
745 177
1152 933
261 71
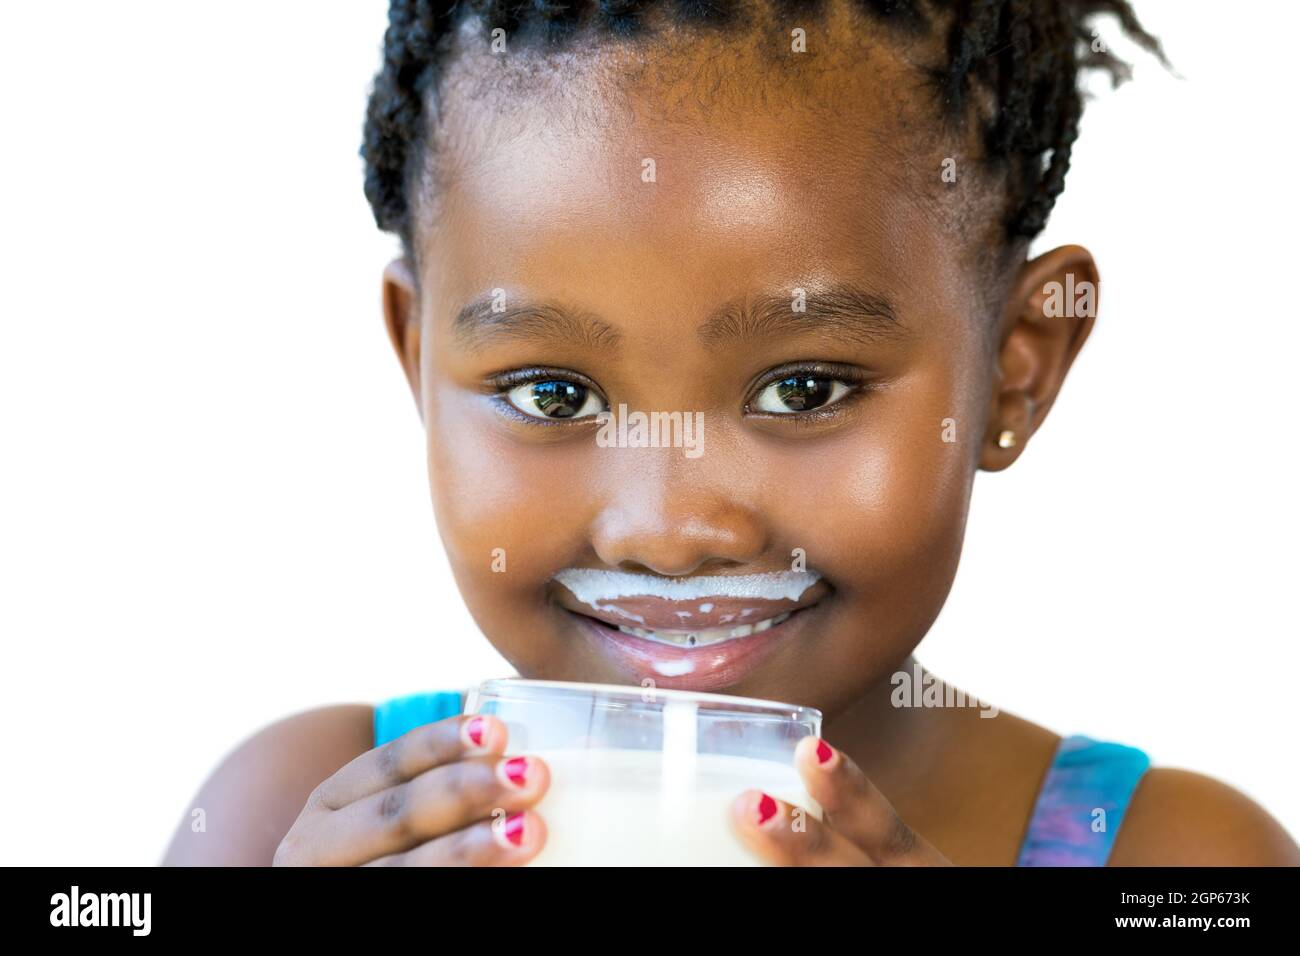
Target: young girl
805 227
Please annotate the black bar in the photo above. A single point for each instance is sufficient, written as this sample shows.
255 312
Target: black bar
372 905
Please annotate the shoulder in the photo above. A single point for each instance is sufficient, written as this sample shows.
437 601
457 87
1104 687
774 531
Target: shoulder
1180 818
258 789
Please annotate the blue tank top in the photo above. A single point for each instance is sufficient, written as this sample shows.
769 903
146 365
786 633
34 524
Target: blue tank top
1076 817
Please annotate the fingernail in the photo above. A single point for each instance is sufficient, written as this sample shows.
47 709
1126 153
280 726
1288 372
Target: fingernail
475 730
516 771
824 752
766 809
513 828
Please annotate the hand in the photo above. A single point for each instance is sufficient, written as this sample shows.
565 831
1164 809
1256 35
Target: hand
860 827
440 795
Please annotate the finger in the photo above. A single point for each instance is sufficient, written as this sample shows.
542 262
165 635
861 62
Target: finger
418 750
782 834
506 840
854 807
436 802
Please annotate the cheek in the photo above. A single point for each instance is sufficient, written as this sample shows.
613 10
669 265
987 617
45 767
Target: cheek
496 498
895 493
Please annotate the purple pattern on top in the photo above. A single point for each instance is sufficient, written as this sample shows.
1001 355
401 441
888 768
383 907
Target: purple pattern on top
1082 803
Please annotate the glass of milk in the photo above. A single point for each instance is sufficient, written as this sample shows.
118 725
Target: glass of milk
642 776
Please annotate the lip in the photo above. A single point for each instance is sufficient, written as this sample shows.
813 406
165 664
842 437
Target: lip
700 614
707 668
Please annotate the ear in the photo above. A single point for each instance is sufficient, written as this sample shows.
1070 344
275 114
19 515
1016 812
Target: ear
1049 314
402 317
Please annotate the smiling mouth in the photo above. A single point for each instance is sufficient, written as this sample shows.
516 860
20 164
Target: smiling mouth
687 621
699 637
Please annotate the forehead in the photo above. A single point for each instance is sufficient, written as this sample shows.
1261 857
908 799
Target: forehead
635 177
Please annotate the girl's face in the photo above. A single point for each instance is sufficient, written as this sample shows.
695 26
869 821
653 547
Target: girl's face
645 250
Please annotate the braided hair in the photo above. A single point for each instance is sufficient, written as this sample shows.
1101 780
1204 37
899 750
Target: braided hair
1026 54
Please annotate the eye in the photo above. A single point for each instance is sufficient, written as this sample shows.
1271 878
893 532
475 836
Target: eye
555 399
800 393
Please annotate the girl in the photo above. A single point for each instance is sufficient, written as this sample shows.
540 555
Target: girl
805 226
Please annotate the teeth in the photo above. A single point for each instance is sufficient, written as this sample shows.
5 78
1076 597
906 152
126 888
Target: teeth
706 637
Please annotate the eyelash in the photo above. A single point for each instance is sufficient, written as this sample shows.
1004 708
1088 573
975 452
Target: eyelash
504 382
855 380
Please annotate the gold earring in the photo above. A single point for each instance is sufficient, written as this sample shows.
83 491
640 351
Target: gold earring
1007 439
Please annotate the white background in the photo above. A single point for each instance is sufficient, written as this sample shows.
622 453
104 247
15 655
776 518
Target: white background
213 503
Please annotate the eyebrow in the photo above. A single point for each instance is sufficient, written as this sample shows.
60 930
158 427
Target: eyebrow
843 310
479 323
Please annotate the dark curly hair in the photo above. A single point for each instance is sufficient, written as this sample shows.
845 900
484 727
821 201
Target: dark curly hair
1027 55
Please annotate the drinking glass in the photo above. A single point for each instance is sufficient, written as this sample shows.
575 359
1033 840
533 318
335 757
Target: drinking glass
642 776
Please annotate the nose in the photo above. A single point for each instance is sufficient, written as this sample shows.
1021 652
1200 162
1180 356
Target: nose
673 520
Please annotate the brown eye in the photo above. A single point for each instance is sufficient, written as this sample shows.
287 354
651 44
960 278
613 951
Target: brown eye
799 393
555 399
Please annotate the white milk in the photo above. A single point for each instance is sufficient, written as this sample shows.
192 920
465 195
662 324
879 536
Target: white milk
609 807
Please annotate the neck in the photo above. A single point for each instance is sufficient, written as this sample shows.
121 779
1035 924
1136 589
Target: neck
896 747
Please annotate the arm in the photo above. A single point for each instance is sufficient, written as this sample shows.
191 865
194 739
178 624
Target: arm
253 797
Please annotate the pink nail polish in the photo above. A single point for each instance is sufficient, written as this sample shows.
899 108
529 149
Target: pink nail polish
517 770
474 729
514 828
766 809
824 752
